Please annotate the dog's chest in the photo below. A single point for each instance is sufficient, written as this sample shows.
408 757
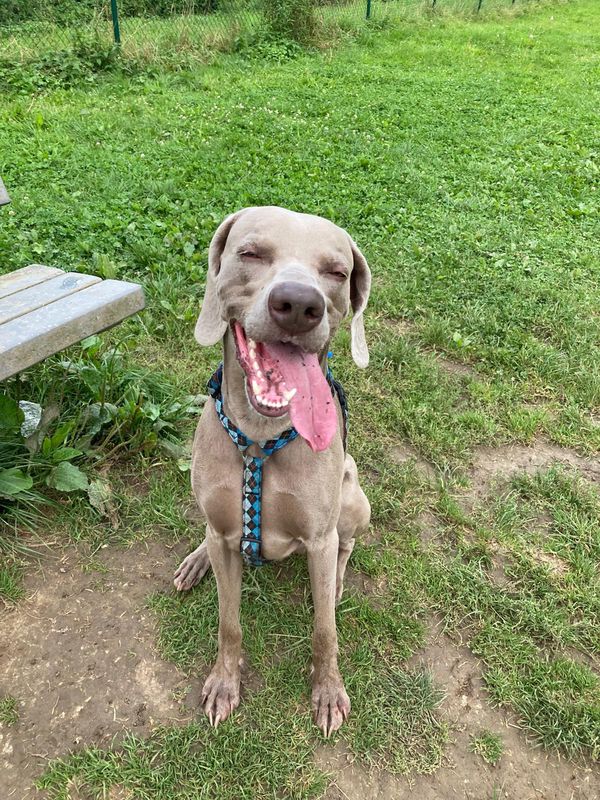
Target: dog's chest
301 490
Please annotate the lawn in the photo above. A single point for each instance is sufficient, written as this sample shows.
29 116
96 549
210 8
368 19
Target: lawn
463 156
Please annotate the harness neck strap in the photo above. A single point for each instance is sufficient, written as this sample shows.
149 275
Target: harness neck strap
250 543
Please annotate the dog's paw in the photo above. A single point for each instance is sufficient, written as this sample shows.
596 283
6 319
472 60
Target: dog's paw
330 705
192 569
220 695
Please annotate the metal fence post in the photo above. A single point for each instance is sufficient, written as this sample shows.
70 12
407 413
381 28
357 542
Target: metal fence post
114 11
368 9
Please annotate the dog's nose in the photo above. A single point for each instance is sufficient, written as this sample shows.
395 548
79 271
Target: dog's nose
295 307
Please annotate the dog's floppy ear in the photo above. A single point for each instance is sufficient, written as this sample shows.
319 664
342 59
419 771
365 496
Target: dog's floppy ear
211 327
360 286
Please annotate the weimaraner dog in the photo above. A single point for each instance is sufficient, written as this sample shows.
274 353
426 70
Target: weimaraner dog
279 285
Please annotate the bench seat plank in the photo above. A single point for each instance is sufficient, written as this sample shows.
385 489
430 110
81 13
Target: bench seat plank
42 294
23 278
33 337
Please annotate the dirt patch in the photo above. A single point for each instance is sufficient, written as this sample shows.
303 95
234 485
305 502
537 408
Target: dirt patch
555 564
455 368
497 572
493 463
495 466
402 454
79 655
523 773
431 529
401 326
193 515
374 588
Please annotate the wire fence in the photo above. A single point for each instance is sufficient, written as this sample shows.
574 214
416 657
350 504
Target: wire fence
152 28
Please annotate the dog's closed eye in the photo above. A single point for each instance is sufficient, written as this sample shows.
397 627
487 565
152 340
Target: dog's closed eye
338 274
333 269
250 254
251 250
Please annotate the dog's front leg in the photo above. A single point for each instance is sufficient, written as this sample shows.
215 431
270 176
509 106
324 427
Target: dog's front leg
330 703
221 691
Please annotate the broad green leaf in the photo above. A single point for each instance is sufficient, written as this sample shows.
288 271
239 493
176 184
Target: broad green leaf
65 454
13 482
11 416
66 477
55 441
91 343
98 415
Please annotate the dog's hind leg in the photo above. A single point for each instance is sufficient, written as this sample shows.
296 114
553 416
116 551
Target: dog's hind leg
355 515
192 569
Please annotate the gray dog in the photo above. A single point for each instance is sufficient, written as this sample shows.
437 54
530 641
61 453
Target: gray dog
279 284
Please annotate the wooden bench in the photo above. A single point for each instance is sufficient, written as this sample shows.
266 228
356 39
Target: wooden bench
43 310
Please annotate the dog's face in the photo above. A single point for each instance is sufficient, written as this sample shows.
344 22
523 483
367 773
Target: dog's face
284 282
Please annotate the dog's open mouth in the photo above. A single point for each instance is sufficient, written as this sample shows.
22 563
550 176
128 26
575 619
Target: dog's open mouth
281 378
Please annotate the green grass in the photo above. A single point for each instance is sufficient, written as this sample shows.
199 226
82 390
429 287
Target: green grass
266 750
9 714
519 579
93 406
463 156
10 583
184 39
489 746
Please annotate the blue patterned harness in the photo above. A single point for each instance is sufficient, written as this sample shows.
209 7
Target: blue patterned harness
250 544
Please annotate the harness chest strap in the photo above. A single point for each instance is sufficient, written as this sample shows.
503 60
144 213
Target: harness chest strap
250 543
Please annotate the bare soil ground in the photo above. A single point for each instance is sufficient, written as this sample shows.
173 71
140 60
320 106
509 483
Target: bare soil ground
79 654
523 773
492 464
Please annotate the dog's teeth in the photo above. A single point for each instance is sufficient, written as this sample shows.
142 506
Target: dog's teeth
256 388
259 373
256 366
289 393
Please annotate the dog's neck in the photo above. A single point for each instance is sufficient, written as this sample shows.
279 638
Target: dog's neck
237 406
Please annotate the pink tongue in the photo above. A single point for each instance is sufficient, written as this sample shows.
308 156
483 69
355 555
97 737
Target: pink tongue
312 409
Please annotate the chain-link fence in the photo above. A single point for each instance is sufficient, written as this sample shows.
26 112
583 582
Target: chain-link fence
30 29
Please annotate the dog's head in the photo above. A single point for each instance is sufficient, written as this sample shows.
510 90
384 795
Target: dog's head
284 282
